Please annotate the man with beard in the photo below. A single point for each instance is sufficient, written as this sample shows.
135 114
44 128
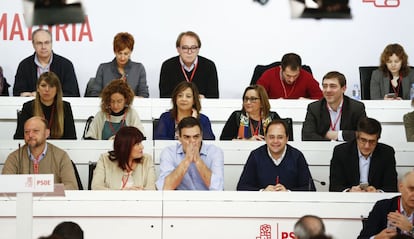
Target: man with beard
39 157
335 116
289 80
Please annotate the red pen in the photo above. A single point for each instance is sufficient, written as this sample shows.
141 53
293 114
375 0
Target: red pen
277 180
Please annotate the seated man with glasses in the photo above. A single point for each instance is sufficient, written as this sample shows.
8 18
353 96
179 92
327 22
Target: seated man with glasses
364 164
189 66
44 60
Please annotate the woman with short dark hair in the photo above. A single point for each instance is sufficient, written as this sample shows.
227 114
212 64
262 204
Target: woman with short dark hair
126 167
121 67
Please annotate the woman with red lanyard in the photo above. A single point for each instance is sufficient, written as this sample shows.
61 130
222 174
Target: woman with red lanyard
48 104
251 121
126 167
394 78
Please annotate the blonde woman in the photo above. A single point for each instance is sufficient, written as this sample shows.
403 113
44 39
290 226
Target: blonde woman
49 105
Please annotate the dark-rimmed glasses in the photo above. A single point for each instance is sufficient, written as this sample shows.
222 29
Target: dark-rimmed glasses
189 48
251 99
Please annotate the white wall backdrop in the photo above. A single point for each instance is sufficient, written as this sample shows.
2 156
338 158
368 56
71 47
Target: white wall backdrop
236 34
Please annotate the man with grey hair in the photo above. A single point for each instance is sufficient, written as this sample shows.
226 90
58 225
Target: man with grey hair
44 60
394 216
308 227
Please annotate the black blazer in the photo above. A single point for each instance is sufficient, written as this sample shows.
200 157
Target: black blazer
318 121
26 76
69 131
377 219
344 168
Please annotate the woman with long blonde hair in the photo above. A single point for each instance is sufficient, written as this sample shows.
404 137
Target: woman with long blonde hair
48 104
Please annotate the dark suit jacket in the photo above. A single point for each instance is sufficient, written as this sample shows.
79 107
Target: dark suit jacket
377 219
318 121
344 168
205 77
69 131
26 76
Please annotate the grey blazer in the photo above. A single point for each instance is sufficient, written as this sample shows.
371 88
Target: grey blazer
380 85
135 74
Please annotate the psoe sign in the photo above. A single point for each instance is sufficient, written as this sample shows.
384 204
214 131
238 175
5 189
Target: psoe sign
16 183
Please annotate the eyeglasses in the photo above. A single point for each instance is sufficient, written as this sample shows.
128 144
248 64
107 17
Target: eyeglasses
251 99
189 48
365 141
40 44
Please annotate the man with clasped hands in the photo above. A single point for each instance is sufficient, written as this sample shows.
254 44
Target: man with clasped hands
191 164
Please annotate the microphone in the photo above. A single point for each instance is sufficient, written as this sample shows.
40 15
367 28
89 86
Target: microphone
311 180
19 158
323 183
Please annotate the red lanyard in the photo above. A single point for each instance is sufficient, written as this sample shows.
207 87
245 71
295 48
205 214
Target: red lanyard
256 130
333 126
397 90
125 180
283 85
36 164
112 127
192 74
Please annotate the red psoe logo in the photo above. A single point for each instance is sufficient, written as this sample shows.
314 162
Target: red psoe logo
265 232
29 182
384 3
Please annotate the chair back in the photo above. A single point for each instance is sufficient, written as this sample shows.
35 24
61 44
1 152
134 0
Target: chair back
260 69
155 122
365 73
289 125
78 180
88 87
92 166
87 125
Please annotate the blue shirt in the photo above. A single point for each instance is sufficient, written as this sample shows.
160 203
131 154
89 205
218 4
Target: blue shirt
212 156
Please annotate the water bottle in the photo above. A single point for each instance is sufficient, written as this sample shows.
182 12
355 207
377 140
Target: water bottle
356 92
412 91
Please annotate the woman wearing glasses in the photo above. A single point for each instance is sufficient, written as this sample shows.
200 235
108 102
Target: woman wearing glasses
251 121
189 66
186 103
